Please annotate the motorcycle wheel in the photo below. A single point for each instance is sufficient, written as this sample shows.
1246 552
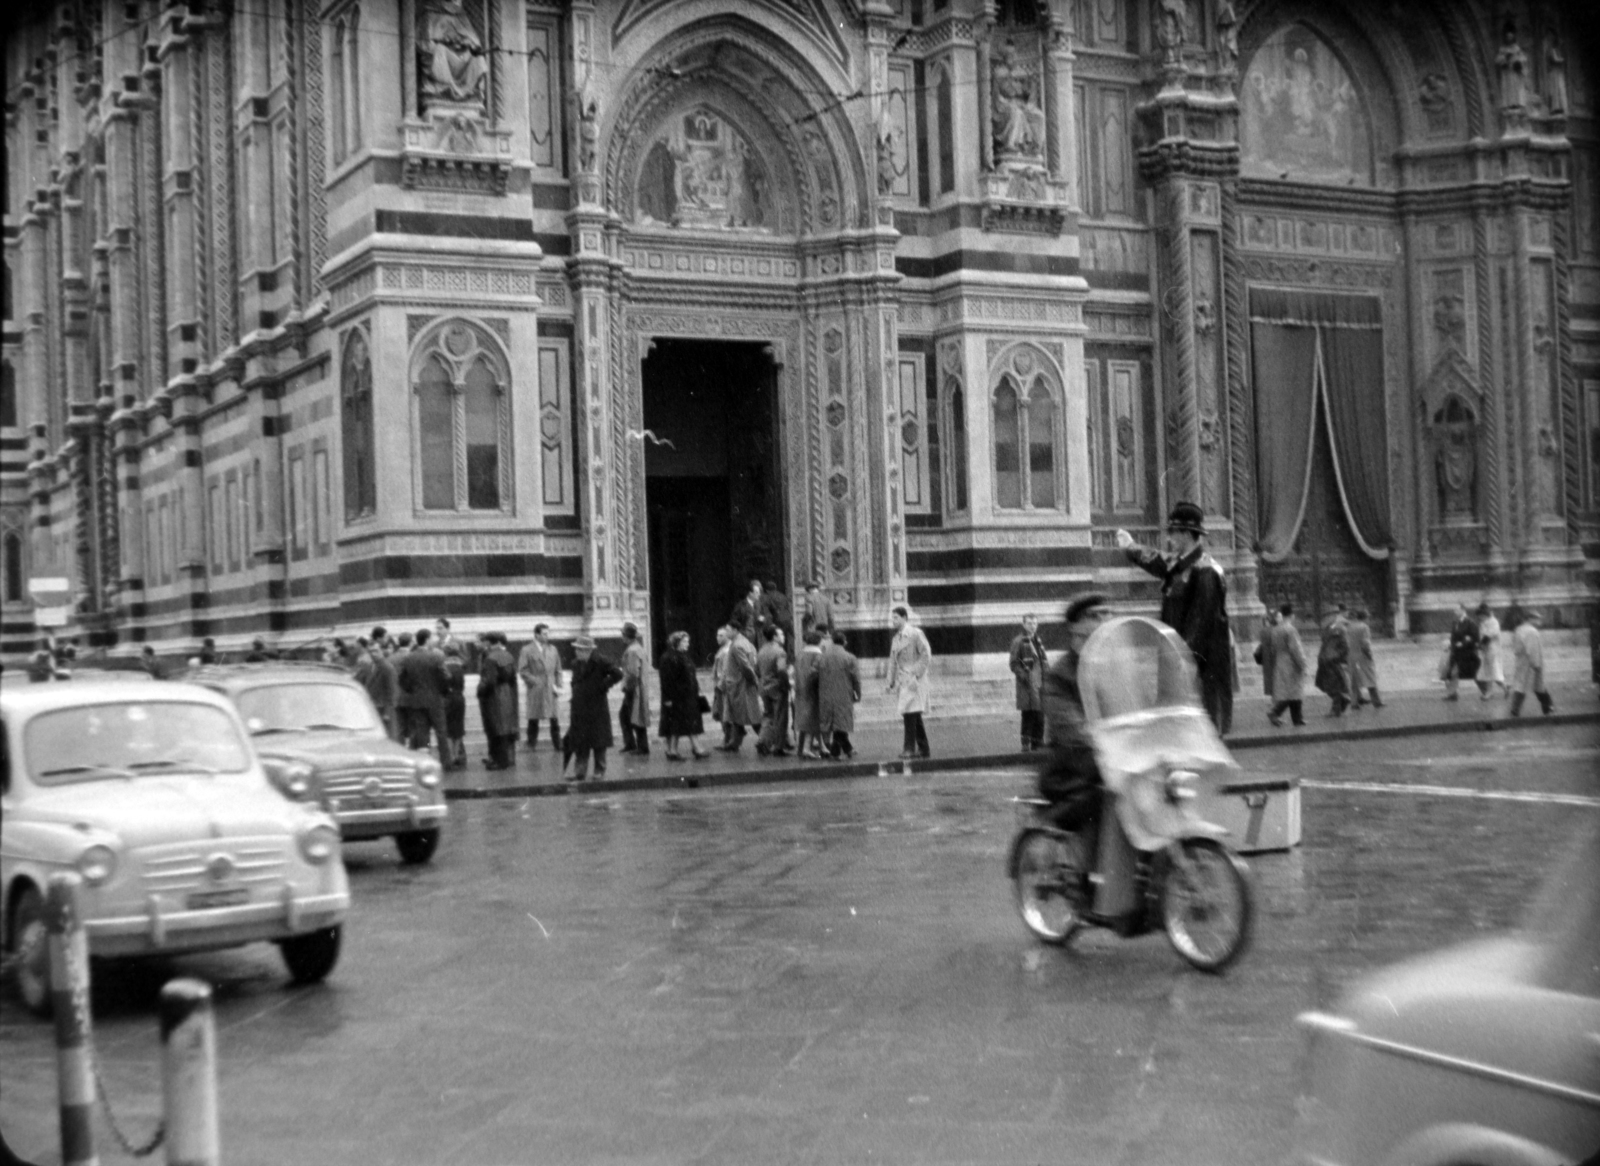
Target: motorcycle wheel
1045 877
1205 904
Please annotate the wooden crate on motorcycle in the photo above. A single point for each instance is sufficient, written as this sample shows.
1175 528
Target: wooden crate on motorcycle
1259 813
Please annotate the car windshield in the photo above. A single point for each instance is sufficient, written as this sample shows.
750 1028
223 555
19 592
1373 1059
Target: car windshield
133 739
302 706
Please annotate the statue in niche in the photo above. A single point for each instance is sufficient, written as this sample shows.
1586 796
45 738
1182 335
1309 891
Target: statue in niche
588 107
1555 75
1456 460
1228 36
452 64
1433 94
1513 65
1017 115
1172 20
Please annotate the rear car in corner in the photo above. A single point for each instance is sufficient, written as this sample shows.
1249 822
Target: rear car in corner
151 792
321 739
1487 1054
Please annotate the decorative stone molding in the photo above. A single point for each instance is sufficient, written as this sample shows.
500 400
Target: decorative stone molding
457 150
1010 310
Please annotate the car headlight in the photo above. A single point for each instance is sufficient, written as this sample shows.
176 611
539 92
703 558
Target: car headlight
428 773
1180 785
319 844
297 780
97 865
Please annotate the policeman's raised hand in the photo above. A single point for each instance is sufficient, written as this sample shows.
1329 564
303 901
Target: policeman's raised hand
1124 539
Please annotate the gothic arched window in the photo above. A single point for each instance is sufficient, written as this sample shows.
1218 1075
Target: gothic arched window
13 568
957 446
463 420
8 395
944 113
1029 470
360 457
337 104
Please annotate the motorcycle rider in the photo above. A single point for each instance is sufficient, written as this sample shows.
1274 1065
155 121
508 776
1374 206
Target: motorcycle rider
1069 779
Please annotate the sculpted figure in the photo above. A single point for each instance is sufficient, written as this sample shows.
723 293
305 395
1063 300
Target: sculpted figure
1017 116
1172 18
454 67
1555 75
1456 463
1513 65
1228 35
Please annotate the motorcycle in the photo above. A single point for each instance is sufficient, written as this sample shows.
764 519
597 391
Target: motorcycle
1158 863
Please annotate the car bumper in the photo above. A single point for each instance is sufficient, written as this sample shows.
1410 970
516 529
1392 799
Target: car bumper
158 929
355 824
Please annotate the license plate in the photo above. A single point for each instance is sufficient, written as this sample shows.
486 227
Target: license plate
231 897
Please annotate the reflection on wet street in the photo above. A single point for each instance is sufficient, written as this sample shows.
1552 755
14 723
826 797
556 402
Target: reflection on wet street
823 973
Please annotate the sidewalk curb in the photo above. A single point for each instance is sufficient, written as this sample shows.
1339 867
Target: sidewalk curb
767 774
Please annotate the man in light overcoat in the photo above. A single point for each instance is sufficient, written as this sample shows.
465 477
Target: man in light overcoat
539 665
1288 668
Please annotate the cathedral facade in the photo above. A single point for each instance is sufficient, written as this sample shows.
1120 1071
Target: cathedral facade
328 313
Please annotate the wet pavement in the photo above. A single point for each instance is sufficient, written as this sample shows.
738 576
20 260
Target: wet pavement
822 972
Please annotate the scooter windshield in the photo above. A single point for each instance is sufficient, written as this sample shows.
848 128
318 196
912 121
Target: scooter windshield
1134 665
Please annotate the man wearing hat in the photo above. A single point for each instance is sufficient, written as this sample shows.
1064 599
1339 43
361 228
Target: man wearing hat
590 732
1194 597
1069 779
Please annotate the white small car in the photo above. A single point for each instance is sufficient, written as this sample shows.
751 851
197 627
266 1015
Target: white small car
151 791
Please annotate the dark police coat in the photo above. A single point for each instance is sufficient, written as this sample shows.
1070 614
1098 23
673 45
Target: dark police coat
1194 603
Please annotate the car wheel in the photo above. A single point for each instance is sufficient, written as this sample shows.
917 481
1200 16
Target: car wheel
310 957
417 846
30 948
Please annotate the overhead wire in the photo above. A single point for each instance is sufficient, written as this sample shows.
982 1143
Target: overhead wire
836 100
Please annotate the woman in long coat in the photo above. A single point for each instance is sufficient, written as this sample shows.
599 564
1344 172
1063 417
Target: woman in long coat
590 732
838 689
1491 667
455 706
1028 665
1331 660
807 726
497 699
680 699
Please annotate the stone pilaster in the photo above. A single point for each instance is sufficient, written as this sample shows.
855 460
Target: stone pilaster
182 217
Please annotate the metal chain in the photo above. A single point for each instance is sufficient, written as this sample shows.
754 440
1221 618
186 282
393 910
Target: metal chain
128 1147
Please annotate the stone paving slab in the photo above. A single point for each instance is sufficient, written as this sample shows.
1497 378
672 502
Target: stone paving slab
991 741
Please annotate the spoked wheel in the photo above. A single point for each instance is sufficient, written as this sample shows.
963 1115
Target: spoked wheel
1045 874
1205 904
30 951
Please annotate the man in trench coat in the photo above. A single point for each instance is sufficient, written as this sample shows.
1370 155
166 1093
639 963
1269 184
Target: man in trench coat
741 690
539 665
1288 664
590 733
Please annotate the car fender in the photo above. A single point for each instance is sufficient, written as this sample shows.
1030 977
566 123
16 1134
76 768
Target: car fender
1454 1143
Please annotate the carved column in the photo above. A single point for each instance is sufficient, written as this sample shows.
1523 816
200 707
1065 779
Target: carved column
183 317
1188 184
1061 107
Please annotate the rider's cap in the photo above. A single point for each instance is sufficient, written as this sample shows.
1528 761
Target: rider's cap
1082 604
1187 516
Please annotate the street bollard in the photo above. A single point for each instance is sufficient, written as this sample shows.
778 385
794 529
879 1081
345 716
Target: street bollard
189 1074
69 998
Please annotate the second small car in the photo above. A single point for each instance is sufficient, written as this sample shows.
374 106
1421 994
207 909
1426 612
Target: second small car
321 739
